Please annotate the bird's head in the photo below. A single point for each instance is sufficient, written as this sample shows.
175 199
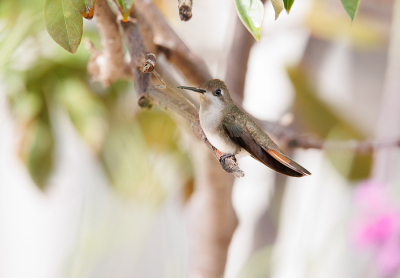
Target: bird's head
212 92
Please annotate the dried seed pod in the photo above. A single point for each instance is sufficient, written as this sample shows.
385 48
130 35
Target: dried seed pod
185 9
150 63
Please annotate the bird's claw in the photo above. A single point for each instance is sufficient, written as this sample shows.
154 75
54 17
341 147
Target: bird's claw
225 156
228 163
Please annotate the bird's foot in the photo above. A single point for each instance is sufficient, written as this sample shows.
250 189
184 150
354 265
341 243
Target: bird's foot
228 162
225 156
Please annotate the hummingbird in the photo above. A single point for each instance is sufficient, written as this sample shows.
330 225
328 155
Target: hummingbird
234 133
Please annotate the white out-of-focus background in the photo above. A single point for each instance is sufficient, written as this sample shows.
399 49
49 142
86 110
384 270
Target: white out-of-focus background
92 186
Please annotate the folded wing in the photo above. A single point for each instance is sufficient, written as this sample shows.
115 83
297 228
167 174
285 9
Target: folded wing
269 156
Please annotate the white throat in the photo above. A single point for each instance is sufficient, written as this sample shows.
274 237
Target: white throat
211 119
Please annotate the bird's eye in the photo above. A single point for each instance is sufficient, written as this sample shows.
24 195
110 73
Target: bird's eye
217 92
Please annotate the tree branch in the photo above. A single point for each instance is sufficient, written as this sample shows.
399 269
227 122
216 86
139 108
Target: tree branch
138 53
108 65
361 147
211 217
289 138
190 65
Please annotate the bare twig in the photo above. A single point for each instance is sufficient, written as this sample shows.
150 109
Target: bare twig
108 65
185 9
138 53
191 66
289 138
356 146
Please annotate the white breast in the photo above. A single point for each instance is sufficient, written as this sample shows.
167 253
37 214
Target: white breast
210 121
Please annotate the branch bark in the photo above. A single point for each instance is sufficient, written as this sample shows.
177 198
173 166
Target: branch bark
108 65
288 138
211 217
178 54
138 53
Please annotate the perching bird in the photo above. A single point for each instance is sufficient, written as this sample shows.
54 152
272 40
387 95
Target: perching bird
233 132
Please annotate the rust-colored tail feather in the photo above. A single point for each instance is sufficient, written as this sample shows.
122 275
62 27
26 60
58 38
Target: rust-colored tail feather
287 161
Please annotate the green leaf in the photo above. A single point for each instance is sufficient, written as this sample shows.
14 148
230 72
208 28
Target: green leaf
40 155
63 23
87 112
125 7
37 145
351 7
288 4
251 13
278 7
85 7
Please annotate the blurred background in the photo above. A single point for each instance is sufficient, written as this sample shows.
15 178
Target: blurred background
93 186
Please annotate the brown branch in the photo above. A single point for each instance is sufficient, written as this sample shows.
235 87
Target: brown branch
289 138
360 147
108 65
190 65
138 53
211 218
185 9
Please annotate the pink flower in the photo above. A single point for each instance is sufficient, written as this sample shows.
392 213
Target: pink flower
375 230
377 225
371 195
389 258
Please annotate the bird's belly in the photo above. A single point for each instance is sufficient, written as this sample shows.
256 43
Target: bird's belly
210 121
222 143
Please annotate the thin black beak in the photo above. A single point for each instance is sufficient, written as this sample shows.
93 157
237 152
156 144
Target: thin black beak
192 89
